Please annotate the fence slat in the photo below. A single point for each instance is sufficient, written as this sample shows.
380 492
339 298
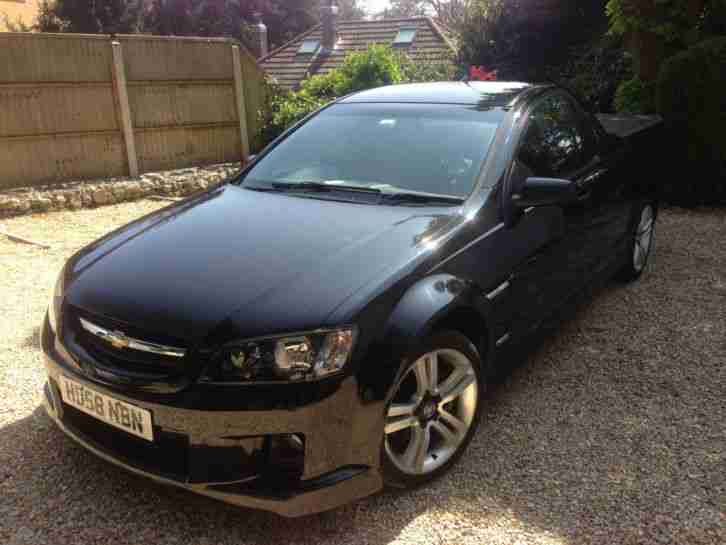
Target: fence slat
239 93
93 106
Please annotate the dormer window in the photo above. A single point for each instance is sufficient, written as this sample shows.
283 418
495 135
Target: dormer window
309 47
405 36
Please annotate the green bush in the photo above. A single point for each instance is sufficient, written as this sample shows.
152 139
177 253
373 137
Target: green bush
596 70
691 97
375 67
434 69
635 96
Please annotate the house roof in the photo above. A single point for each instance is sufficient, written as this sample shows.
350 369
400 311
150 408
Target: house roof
289 68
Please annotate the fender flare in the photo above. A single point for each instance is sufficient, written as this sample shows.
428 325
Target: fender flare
425 304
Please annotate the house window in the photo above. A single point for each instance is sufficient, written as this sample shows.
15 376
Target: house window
309 47
405 36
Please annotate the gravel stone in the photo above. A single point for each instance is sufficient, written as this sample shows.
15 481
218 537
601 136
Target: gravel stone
612 432
41 203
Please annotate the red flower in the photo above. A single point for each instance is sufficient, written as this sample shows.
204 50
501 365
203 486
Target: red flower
479 73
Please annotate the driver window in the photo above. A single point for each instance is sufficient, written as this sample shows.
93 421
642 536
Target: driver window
553 144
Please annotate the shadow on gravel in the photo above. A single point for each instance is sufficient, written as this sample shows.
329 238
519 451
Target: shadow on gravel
32 340
596 438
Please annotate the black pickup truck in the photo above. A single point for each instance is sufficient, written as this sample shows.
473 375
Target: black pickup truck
326 322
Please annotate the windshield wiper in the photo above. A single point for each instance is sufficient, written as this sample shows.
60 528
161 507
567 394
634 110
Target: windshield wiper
389 194
322 187
422 198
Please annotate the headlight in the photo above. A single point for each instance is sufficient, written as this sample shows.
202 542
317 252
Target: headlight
56 299
290 358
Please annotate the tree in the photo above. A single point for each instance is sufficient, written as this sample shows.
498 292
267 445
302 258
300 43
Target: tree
284 18
350 9
453 13
91 16
524 39
404 8
656 29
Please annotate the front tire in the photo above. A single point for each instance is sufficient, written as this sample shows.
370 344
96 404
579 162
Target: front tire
434 411
641 244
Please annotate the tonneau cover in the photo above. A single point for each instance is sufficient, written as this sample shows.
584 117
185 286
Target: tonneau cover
627 125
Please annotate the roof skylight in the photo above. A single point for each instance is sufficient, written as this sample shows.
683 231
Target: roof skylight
309 47
405 36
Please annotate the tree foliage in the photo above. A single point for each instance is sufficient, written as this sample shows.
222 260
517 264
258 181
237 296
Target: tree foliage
657 29
523 39
375 67
404 8
689 95
91 16
284 18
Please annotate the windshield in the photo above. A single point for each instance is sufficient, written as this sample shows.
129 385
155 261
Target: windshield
435 149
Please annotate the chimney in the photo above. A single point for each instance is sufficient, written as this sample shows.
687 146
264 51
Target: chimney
329 20
260 32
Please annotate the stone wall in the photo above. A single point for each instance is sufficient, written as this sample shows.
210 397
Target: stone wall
89 194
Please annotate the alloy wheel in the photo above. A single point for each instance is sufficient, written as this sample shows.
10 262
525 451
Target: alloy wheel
431 412
643 238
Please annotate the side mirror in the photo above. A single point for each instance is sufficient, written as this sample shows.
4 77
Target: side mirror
545 192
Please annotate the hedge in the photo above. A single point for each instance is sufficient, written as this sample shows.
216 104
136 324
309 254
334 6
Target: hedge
691 97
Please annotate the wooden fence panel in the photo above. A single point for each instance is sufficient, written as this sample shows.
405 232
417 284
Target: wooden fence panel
157 58
42 109
28 161
185 146
60 117
185 103
35 57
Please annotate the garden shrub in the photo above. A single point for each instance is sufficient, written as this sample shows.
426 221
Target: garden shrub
433 69
691 98
596 70
375 67
635 96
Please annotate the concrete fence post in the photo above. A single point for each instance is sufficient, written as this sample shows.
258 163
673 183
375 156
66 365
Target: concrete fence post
122 99
239 93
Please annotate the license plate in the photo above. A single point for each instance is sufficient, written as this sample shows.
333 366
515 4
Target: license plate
117 413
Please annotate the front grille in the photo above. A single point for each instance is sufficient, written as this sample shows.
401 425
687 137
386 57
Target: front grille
166 456
103 354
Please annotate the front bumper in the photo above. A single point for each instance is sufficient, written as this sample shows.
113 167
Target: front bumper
192 448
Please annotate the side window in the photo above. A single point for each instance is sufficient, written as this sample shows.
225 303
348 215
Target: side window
554 144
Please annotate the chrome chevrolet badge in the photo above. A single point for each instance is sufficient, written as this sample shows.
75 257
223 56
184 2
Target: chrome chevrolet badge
118 339
238 359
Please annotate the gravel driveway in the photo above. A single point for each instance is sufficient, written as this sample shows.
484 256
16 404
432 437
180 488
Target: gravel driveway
613 432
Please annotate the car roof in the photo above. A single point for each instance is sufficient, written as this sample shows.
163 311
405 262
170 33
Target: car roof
489 94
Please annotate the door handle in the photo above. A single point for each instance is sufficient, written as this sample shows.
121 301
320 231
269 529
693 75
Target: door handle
584 194
594 177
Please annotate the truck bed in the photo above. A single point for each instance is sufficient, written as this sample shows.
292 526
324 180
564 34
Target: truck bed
626 126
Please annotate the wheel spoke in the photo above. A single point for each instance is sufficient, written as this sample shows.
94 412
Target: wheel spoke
644 237
458 426
645 228
451 439
398 424
402 409
638 257
417 449
432 372
422 379
455 385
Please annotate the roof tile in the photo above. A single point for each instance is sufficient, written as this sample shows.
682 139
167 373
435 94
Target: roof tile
289 68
